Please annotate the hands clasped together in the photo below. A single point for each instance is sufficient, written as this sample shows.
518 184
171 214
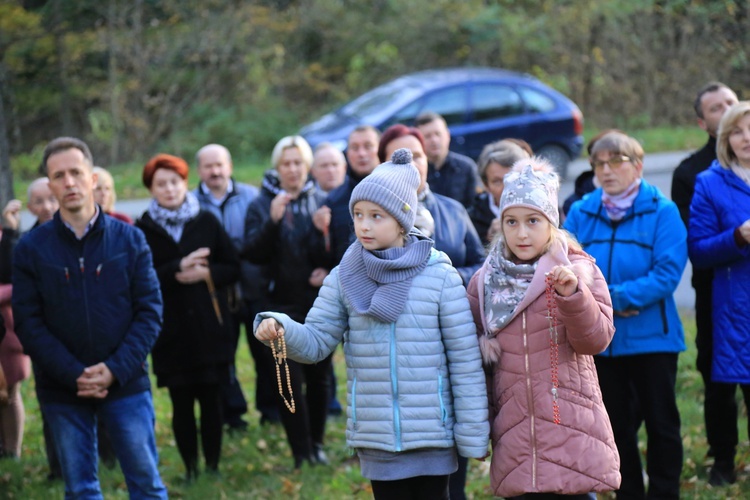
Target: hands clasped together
194 267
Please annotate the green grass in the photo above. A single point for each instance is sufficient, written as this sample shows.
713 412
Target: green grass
257 464
657 139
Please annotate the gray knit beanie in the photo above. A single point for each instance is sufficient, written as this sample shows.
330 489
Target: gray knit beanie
392 185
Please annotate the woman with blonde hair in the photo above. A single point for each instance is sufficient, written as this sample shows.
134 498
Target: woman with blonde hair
284 232
719 239
105 196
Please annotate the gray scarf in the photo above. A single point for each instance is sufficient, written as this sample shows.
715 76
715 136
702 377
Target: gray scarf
377 283
173 221
741 172
505 286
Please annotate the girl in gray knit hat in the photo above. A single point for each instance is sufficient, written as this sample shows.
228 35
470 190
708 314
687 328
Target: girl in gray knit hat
416 395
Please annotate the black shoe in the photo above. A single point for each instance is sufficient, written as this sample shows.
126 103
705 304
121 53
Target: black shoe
269 419
721 474
236 423
300 460
319 456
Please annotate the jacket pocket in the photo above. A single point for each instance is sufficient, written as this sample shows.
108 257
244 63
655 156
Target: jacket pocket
113 273
575 397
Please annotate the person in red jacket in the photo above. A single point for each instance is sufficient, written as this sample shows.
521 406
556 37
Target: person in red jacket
542 310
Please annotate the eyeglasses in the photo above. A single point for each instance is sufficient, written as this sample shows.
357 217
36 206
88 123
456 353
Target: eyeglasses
614 163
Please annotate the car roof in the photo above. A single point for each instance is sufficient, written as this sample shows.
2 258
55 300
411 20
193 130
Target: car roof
440 77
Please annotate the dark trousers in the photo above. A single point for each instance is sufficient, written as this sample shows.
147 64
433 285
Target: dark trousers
265 381
420 487
719 404
186 430
644 384
311 387
234 404
458 480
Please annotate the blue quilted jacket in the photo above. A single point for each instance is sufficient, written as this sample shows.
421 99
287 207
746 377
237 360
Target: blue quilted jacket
642 258
416 383
720 205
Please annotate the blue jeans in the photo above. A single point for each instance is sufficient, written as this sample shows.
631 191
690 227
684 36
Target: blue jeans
130 424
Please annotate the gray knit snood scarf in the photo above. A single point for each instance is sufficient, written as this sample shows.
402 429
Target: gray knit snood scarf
377 283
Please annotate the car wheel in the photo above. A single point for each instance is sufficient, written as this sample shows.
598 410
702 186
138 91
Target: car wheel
557 156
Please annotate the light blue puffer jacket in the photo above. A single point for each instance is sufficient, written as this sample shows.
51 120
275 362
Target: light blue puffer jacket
416 383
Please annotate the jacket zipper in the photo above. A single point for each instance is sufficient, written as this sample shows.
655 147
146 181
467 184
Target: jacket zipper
82 267
609 269
394 389
530 398
354 402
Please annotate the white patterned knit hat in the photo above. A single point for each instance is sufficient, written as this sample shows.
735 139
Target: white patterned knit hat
530 188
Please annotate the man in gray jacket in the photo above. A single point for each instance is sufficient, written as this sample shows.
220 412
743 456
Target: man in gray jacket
228 200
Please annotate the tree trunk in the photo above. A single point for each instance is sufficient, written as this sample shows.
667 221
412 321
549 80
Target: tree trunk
114 109
6 174
66 113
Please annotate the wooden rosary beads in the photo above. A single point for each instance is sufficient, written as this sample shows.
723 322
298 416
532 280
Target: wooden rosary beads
554 351
279 357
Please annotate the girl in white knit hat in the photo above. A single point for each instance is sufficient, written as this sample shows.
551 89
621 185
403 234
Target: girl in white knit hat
542 310
416 393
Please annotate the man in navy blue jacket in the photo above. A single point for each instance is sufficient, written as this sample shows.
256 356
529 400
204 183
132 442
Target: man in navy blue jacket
88 309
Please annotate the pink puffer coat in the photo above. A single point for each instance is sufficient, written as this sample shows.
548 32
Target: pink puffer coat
530 453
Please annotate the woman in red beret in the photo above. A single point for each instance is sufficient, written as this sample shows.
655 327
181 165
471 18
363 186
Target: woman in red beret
196 264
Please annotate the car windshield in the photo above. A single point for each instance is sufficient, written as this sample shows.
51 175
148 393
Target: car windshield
393 94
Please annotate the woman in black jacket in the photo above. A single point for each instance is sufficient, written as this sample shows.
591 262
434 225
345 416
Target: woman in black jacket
284 232
196 263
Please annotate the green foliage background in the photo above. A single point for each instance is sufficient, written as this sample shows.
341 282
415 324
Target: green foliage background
141 76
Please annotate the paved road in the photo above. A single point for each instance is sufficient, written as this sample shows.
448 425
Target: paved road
657 167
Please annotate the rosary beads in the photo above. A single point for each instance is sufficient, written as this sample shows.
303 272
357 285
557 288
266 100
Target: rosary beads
554 351
279 357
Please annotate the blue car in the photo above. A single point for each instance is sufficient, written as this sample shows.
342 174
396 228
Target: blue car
480 105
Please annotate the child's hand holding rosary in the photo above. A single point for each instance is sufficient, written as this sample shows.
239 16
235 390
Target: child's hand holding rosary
564 280
271 330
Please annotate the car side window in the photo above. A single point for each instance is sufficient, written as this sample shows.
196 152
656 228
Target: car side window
449 103
536 102
495 101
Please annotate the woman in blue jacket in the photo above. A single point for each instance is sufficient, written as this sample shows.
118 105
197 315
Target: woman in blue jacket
719 238
636 236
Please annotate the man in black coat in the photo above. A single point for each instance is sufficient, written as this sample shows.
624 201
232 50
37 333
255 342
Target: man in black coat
362 155
448 173
720 407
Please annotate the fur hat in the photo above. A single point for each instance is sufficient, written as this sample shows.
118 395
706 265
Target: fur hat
532 184
392 185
